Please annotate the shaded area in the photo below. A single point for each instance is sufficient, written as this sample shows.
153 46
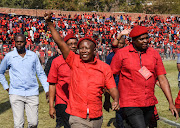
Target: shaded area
41 89
6 105
112 120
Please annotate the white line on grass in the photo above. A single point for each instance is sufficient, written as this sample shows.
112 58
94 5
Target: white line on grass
170 122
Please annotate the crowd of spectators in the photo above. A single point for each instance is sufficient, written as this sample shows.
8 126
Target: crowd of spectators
164 34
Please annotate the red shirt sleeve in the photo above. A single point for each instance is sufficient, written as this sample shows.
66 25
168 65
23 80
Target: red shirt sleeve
160 70
116 63
70 59
53 73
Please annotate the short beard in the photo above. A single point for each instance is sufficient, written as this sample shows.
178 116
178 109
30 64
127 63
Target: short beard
21 51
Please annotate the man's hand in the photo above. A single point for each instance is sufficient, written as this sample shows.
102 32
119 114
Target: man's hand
48 16
125 31
52 112
47 97
107 105
115 106
174 111
7 90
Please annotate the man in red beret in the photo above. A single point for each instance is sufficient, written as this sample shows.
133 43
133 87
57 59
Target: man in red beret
59 79
138 66
89 76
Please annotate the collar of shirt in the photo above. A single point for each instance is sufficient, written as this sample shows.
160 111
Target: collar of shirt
16 53
94 62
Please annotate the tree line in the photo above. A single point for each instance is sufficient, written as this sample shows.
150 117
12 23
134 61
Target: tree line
137 6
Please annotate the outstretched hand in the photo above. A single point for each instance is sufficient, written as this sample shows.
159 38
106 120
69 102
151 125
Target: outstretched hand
48 16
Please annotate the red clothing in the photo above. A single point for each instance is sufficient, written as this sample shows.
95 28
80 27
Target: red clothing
177 101
86 88
49 52
134 89
41 53
60 74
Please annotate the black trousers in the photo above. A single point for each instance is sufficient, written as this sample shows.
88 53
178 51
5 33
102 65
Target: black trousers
119 119
61 115
138 117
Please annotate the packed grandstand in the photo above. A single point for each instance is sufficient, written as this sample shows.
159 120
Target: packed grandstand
164 33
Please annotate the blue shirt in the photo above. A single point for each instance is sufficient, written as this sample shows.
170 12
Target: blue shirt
22 72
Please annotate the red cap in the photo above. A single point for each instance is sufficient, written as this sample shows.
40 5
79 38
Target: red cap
86 38
69 36
137 31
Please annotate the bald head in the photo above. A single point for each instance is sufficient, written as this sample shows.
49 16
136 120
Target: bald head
21 36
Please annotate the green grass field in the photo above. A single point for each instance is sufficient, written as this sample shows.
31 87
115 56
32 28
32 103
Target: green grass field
6 118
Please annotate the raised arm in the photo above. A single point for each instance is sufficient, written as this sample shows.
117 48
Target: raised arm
124 32
57 38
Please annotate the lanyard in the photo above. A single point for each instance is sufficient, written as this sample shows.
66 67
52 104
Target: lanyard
140 59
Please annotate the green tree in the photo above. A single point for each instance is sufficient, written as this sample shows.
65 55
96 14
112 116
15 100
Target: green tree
68 5
147 6
163 7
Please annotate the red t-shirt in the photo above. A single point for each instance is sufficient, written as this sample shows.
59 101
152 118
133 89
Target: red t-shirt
134 89
60 75
87 83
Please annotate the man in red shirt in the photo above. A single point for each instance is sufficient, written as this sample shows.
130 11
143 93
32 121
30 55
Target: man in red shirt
116 45
59 79
89 76
138 66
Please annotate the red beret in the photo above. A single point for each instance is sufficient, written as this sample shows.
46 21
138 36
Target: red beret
137 31
86 38
69 36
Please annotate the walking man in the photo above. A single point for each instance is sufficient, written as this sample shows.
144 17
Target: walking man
23 91
89 76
